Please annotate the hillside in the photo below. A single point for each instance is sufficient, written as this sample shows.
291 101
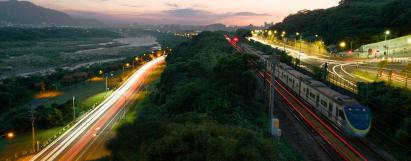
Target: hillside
207 101
360 21
27 13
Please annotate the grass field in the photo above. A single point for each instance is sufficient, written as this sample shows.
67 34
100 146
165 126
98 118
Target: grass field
372 77
22 142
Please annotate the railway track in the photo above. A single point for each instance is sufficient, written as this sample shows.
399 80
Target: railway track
346 148
341 146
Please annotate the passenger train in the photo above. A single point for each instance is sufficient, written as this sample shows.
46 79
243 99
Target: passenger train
343 111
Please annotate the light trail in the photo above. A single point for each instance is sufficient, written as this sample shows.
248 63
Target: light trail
100 115
304 56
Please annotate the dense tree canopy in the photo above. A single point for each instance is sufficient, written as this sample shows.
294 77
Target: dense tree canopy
206 107
360 21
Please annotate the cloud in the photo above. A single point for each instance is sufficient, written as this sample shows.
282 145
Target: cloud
198 16
187 16
191 12
187 12
133 6
250 14
173 5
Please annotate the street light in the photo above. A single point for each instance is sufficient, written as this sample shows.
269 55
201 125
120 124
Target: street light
343 44
388 32
284 39
8 135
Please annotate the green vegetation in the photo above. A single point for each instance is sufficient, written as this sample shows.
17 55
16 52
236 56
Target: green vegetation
22 141
16 96
281 54
359 21
391 107
207 106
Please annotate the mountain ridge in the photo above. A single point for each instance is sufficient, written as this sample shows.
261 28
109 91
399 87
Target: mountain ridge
27 13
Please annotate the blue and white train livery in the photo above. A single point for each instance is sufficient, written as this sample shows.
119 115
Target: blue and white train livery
341 110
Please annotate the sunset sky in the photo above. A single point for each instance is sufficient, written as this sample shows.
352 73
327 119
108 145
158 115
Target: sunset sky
230 12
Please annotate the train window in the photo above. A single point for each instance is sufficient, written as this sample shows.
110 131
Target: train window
312 95
330 110
341 114
323 103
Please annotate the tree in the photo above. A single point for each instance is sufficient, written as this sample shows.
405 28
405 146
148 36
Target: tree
187 138
407 70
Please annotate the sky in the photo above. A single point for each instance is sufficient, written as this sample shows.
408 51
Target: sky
188 12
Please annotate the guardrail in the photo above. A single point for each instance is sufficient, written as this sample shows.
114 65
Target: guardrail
45 143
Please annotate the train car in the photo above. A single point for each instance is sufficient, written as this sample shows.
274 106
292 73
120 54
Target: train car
343 111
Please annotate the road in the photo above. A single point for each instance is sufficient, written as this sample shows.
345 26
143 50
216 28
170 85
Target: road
79 138
337 66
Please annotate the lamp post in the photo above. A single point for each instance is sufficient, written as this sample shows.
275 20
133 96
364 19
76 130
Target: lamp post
8 135
299 36
284 39
343 45
296 37
74 109
385 40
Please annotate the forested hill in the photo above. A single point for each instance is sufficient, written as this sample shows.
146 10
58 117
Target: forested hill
27 13
361 21
207 107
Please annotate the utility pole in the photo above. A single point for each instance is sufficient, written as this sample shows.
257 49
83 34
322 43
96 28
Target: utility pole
33 129
325 72
274 122
106 83
74 109
351 45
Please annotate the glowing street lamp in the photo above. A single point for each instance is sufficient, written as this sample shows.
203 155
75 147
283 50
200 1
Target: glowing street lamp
8 135
388 32
270 32
100 72
343 45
